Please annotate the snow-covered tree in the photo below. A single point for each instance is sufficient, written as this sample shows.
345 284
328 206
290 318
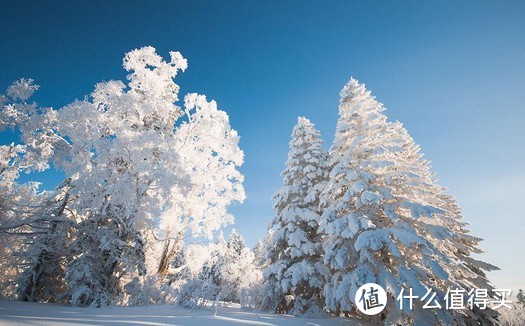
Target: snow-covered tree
32 249
14 235
249 279
226 273
258 251
294 271
202 274
142 172
47 251
208 152
229 268
387 221
237 272
10 195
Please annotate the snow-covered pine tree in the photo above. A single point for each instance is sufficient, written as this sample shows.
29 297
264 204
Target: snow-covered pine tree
236 270
249 279
258 251
387 221
235 243
294 271
230 268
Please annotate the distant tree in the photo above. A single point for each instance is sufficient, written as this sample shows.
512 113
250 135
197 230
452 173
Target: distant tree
294 272
229 268
387 221
258 252
226 273
189 279
521 297
237 271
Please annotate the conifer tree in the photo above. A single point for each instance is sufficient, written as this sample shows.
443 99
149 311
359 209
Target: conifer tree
230 269
388 222
294 270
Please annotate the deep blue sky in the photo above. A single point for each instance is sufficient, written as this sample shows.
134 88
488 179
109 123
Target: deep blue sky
452 72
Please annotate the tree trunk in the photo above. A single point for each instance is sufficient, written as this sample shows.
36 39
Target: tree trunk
168 254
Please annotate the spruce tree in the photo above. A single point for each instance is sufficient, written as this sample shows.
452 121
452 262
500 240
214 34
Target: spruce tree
294 270
388 222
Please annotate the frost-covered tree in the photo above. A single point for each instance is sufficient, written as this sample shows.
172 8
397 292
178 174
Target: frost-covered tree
236 243
388 222
143 173
258 251
202 283
294 271
237 272
208 152
47 252
229 268
249 278
32 237
11 194
15 234
226 273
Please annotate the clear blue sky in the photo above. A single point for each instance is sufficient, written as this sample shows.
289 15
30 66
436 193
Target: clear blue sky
452 71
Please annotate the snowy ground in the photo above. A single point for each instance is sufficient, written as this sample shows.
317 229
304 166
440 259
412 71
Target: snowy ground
24 313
